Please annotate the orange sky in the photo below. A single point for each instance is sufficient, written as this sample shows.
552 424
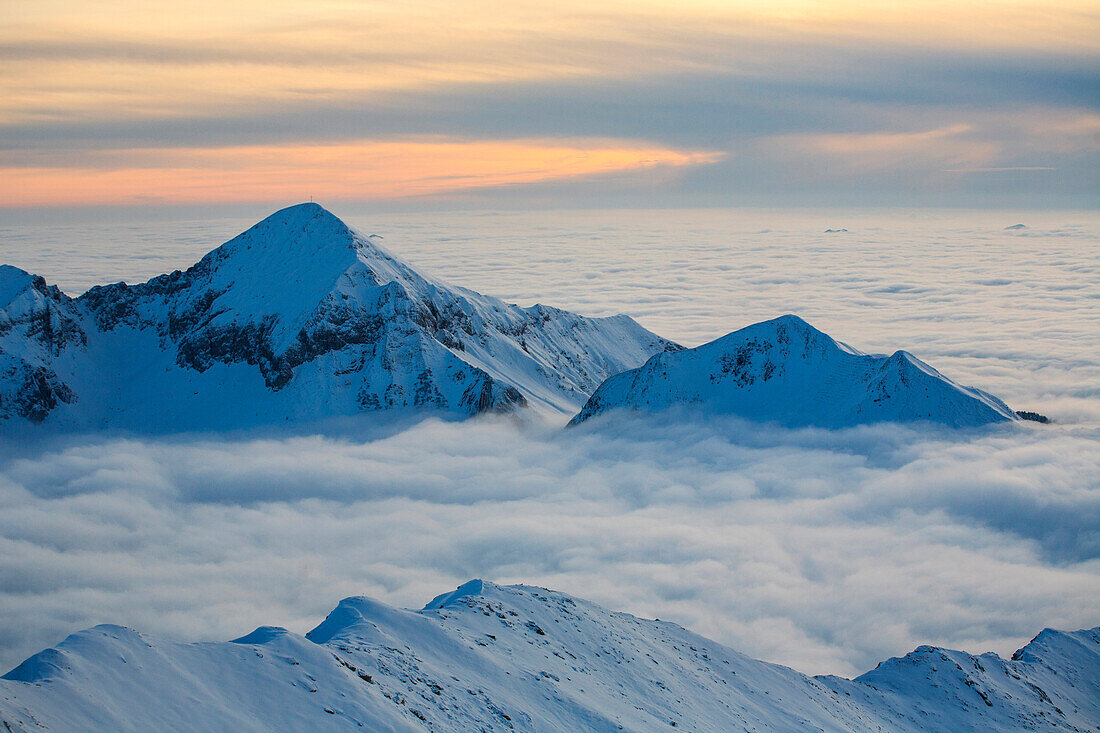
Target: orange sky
364 170
110 59
85 73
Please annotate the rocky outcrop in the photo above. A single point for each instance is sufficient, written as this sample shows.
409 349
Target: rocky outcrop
298 318
38 323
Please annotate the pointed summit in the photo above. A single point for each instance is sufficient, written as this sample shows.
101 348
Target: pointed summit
301 230
787 329
296 231
786 371
13 282
282 269
473 587
306 209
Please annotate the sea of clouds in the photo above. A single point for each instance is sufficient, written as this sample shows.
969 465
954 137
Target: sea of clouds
824 550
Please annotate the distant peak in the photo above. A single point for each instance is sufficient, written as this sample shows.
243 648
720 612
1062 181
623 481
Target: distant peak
788 322
352 612
301 233
470 588
308 206
261 635
790 319
11 272
14 281
45 664
302 213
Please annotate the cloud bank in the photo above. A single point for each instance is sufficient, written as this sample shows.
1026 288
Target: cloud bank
823 550
826 551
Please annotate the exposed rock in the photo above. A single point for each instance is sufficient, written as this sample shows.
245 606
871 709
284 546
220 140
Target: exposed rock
298 318
788 372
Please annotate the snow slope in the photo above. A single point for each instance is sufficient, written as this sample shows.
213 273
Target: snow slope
487 657
298 318
786 371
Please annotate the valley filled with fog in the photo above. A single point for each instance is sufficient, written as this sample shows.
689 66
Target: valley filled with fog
823 550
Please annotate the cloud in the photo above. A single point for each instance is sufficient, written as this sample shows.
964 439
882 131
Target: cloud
363 170
707 77
744 87
1006 169
864 153
823 550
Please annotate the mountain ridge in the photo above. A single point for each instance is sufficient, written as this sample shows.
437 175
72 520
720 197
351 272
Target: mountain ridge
786 371
330 322
494 657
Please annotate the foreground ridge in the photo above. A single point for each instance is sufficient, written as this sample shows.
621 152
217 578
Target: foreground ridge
788 372
490 657
298 318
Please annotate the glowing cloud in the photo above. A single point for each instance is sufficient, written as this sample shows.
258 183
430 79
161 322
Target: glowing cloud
868 152
125 58
359 170
699 74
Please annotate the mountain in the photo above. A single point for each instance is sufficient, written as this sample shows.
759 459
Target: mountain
298 318
492 658
788 372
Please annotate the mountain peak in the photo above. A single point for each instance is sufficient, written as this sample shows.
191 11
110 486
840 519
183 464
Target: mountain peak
14 281
790 320
261 635
470 588
308 208
782 332
295 229
786 371
783 327
298 318
302 212
302 251
310 218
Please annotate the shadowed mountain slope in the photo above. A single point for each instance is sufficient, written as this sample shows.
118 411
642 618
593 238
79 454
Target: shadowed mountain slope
788 372
504 658
298 318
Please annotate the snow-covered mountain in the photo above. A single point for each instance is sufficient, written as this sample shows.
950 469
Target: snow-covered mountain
298 318
493 658
786 371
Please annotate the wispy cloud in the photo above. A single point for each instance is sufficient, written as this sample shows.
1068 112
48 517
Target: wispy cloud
887 150
357 170
1000 170
701 75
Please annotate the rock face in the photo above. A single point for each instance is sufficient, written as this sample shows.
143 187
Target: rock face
298 318
38 324
788 372
518 658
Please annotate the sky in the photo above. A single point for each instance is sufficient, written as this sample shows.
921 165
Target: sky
531 104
